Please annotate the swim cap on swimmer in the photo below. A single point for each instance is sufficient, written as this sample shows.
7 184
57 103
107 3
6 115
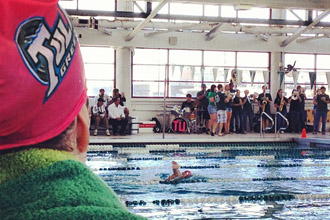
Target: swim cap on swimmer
42 82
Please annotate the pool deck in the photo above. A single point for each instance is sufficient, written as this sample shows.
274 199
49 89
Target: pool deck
203 138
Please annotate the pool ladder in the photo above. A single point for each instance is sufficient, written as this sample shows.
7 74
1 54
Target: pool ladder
277 132
262 133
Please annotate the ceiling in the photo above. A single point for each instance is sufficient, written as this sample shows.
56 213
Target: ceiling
151 21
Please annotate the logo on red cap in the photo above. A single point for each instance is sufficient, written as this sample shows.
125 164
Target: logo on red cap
46 50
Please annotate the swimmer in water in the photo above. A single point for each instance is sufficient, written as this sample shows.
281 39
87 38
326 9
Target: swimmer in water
177 174
176 171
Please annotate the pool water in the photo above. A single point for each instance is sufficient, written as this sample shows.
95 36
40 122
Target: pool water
245 172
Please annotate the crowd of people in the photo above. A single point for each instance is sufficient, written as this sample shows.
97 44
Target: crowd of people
111 110
222 109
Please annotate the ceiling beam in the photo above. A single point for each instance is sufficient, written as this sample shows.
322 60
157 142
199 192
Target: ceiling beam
302 30
302 40
215 31
165 27
281 4
188 27
146 21
120 14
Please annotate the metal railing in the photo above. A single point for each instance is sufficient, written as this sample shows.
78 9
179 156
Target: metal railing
277 132
261 123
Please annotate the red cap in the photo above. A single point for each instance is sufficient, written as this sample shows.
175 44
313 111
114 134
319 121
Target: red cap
42 82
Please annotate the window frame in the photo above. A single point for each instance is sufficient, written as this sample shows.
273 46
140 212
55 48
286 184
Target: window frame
315 69
114 63
167 66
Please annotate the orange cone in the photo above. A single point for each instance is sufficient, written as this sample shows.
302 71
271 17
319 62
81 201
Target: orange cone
303 133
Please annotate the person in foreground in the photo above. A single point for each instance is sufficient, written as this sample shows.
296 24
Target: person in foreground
42 152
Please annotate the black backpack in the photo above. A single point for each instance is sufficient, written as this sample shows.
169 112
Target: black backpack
158 127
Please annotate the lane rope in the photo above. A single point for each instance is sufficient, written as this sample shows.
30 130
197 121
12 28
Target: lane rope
231 199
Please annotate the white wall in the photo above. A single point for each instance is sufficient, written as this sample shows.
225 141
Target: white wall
146 109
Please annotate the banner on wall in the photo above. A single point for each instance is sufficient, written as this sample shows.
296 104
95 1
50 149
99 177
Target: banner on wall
202 73
215 74
252 76
225 74
312 78
328 79
295 75
266 77
239 77
192 69
281 77
181 71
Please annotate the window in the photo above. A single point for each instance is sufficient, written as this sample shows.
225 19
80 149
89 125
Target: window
317 13
228 11
211 10
186 9
185 70
68 4
99 69
102 5
296 15
148 74
260 13
306 64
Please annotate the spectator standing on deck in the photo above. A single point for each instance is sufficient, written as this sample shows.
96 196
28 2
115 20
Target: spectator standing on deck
212 109
247 112
322 100
238 113
280 104
294 114
303 114
220 100
202 103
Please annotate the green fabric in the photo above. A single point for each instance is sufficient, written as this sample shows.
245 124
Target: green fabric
64 190
21 162
210 95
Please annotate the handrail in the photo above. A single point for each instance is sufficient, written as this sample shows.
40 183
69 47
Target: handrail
277 132
261 124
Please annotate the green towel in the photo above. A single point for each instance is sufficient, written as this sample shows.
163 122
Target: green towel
65 189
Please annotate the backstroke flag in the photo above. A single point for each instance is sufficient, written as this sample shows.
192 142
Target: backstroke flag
312 78
281 77
239 77
202 73
295 75
215 74
192 69
328 79
225 74
252 76
266 77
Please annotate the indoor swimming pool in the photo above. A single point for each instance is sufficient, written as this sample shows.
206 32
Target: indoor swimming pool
230 181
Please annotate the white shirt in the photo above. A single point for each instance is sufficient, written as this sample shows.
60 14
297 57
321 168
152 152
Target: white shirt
105 98
99 110
116 112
